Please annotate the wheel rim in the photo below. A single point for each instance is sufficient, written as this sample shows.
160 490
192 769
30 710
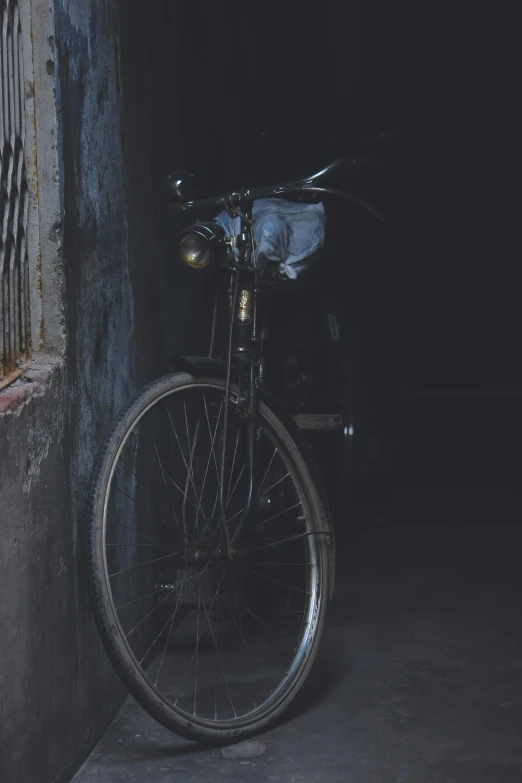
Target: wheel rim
220 636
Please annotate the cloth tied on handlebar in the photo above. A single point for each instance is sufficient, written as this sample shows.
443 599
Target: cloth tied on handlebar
284 231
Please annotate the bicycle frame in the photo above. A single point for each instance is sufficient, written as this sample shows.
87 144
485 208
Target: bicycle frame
245 339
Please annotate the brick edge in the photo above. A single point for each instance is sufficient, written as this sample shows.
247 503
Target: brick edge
31 383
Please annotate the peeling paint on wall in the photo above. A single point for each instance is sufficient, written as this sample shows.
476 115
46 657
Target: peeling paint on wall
98 274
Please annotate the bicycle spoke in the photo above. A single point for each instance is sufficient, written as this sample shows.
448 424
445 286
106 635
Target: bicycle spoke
192 451
141 483
255 616
273 579
268 468
236 514
221 665
156 515
275 516
276 563
281 541
274 485
189 444
169 477
235 485
212 532
197 654
240 626
165 546
163 473
167 639
198 638
188 469
154 543
170 620
243 637
213 437
178 488
212 448
168 594
232 468
144 563
267 641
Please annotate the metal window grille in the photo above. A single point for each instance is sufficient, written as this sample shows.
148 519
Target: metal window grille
14 198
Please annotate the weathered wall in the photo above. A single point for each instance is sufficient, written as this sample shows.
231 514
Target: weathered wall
49 709
57 690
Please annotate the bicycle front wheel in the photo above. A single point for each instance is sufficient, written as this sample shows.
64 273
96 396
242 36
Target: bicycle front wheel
212 625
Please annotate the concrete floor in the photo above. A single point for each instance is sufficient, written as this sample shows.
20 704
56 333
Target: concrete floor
419 678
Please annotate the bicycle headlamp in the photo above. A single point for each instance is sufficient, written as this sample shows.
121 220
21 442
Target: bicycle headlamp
201 243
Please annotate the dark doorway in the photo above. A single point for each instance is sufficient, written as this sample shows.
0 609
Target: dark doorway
432 299
261 94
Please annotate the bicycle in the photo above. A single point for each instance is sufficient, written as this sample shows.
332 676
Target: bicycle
210 546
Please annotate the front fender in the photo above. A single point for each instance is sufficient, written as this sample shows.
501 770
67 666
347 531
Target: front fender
199 365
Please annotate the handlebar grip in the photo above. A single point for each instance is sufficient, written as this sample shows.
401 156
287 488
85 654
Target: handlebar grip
176 188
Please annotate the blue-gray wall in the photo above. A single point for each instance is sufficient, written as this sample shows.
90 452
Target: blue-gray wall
57 690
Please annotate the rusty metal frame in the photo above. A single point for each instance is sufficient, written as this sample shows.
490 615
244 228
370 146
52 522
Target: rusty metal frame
22 296
15 329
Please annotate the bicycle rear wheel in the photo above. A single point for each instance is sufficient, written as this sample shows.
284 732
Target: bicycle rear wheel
213 629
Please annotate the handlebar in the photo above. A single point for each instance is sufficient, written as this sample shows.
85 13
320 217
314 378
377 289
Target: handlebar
172 187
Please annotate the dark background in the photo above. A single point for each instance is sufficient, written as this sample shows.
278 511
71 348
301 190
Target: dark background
261 93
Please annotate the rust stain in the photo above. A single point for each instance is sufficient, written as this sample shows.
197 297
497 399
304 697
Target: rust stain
38 270
29 90
10 377
32 171
38 267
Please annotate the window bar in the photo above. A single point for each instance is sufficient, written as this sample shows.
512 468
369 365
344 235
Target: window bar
14 197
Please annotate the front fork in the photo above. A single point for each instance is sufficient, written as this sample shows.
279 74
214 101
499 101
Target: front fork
245 348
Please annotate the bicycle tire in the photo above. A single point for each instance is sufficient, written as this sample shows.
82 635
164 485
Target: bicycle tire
125 662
